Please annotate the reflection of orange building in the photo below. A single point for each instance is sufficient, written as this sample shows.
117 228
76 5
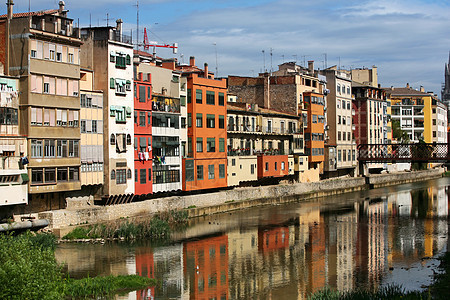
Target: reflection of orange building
273 239
206 268
145 266
314 133
206 162
316 255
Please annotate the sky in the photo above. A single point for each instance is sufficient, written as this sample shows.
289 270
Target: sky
408 40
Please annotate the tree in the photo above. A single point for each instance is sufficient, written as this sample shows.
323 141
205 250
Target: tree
398 133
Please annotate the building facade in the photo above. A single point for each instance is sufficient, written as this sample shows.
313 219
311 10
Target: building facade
339 145
46 57
143 154
108 52
166 125
206 160
91 128
13 174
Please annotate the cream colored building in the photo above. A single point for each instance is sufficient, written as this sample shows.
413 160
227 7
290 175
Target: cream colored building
91 127
254 131
13 175
340 154
108 53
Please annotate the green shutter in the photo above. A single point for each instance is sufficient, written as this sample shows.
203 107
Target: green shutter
112 83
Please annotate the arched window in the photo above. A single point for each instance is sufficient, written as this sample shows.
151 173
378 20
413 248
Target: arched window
128 139
112 139
129 174
113 174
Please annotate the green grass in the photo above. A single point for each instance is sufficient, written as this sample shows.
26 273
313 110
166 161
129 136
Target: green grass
389 292
29 270
158 227
104 286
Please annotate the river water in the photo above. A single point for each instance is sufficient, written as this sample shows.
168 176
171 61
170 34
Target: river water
365 239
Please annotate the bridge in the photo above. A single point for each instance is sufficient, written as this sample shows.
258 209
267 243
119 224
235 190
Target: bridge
418 152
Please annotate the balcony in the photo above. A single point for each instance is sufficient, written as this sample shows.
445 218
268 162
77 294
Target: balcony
165 104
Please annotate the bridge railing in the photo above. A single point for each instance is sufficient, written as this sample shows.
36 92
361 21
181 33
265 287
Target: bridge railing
403 152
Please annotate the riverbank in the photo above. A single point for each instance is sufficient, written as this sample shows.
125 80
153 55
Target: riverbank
78 213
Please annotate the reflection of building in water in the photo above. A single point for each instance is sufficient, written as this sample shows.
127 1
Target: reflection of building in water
341 240
371 243
206 268
243 262
400 203
164 264
316 256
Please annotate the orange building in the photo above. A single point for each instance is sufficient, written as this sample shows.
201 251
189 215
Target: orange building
315 130
272 166
205 166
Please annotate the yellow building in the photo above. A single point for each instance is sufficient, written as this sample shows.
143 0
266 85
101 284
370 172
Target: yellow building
413 109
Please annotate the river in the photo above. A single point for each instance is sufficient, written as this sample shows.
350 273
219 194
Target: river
365 239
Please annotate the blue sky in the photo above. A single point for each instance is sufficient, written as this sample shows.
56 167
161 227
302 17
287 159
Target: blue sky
408 40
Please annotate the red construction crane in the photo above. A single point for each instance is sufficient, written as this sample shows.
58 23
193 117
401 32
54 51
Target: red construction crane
147 44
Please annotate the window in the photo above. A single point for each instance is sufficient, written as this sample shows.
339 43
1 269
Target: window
183 122
199 172
210 98
73 148
189 120
314 118
50 175
221 171
199 121
49 148
210 121
142 93
73 173
221 145
33 53
221 121
198 96
94 126
210 171
267 166
62 174
276 166
121 176
210 145
112 139
37 176
183 100
199 144
149 175
233 162
142 176
282 165
189 170
113 175
142 118
221 99
36 148
61 148
189 96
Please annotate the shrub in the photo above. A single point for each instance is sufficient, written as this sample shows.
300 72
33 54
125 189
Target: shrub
28 269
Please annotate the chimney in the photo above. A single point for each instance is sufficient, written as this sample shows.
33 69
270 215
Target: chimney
266 90
61 7
422 89
407 85
192 61
206 71
311 66
119 28
9 5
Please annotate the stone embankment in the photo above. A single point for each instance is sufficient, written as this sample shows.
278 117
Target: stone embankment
79 211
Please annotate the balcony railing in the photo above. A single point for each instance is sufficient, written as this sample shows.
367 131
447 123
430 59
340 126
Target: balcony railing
166 104
247 151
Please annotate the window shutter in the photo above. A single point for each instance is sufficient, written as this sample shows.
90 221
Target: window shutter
52 117
33 115
112 83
